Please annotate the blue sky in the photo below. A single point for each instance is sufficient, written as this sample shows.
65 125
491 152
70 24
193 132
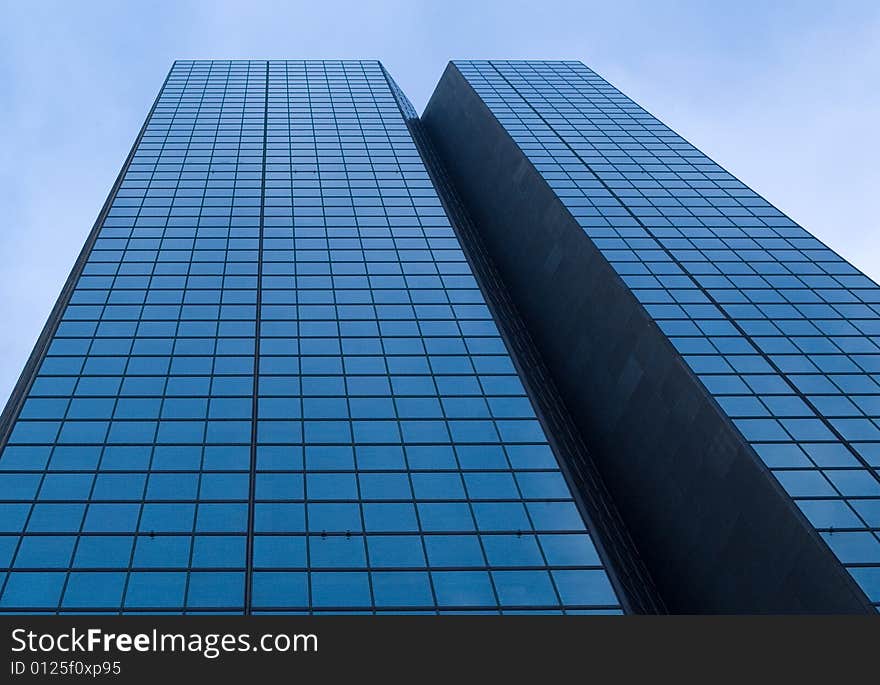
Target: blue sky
782 94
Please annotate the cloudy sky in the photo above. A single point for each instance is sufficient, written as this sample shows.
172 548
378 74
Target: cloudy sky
783 94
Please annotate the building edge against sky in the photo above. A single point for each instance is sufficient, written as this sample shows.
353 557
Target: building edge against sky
679 339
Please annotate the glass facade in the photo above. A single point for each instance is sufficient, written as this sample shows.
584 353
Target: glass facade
277 387
780 330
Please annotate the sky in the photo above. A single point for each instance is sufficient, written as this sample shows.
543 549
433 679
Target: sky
784 95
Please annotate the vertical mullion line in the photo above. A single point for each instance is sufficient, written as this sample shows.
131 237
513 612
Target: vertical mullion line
302 418
249 560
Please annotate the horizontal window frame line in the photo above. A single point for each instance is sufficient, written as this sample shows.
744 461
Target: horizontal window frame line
315 610
378 532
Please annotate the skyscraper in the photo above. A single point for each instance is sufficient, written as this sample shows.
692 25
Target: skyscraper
529 353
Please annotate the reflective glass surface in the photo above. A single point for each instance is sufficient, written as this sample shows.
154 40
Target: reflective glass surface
783 332
277 387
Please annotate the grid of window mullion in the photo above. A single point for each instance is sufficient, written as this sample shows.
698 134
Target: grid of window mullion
252 452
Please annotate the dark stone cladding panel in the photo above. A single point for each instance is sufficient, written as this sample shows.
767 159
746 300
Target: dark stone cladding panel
716 531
